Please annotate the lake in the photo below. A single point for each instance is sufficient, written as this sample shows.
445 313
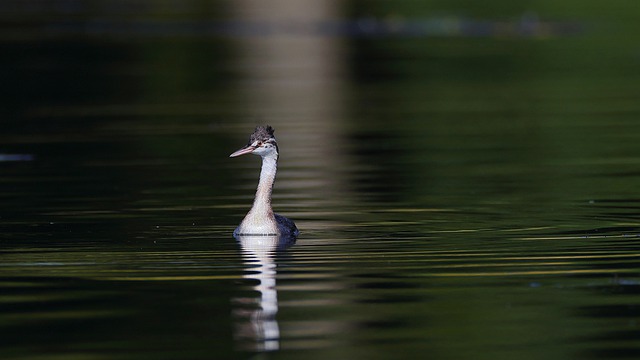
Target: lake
465 180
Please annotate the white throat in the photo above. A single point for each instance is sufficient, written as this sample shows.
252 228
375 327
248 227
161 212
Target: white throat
260 219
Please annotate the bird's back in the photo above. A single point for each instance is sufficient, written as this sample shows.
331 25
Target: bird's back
286 226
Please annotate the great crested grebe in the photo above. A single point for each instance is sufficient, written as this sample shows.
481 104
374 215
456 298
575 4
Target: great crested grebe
261 220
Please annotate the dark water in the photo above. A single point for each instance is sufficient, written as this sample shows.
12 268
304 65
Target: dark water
465 181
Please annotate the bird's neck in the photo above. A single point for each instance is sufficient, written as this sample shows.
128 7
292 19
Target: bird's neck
262 202
260 220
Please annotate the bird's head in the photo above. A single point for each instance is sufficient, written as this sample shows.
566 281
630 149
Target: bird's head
262 142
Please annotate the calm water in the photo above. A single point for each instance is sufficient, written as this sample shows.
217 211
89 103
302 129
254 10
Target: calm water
465 182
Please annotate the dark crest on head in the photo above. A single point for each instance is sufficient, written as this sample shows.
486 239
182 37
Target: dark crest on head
262 133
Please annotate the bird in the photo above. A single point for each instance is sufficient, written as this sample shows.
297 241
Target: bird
261 220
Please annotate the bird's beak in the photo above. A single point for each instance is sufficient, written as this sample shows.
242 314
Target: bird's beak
245 150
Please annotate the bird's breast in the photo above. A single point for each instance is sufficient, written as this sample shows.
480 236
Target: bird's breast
258 224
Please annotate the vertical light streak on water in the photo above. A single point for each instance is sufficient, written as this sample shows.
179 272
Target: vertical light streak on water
295 82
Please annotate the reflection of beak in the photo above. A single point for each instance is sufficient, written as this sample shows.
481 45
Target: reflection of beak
245 150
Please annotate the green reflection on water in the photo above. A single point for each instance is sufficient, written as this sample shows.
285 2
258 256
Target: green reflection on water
463 196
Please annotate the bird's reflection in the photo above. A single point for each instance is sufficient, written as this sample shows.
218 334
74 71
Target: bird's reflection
256 326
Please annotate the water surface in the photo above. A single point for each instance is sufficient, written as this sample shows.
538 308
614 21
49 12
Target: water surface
460 194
